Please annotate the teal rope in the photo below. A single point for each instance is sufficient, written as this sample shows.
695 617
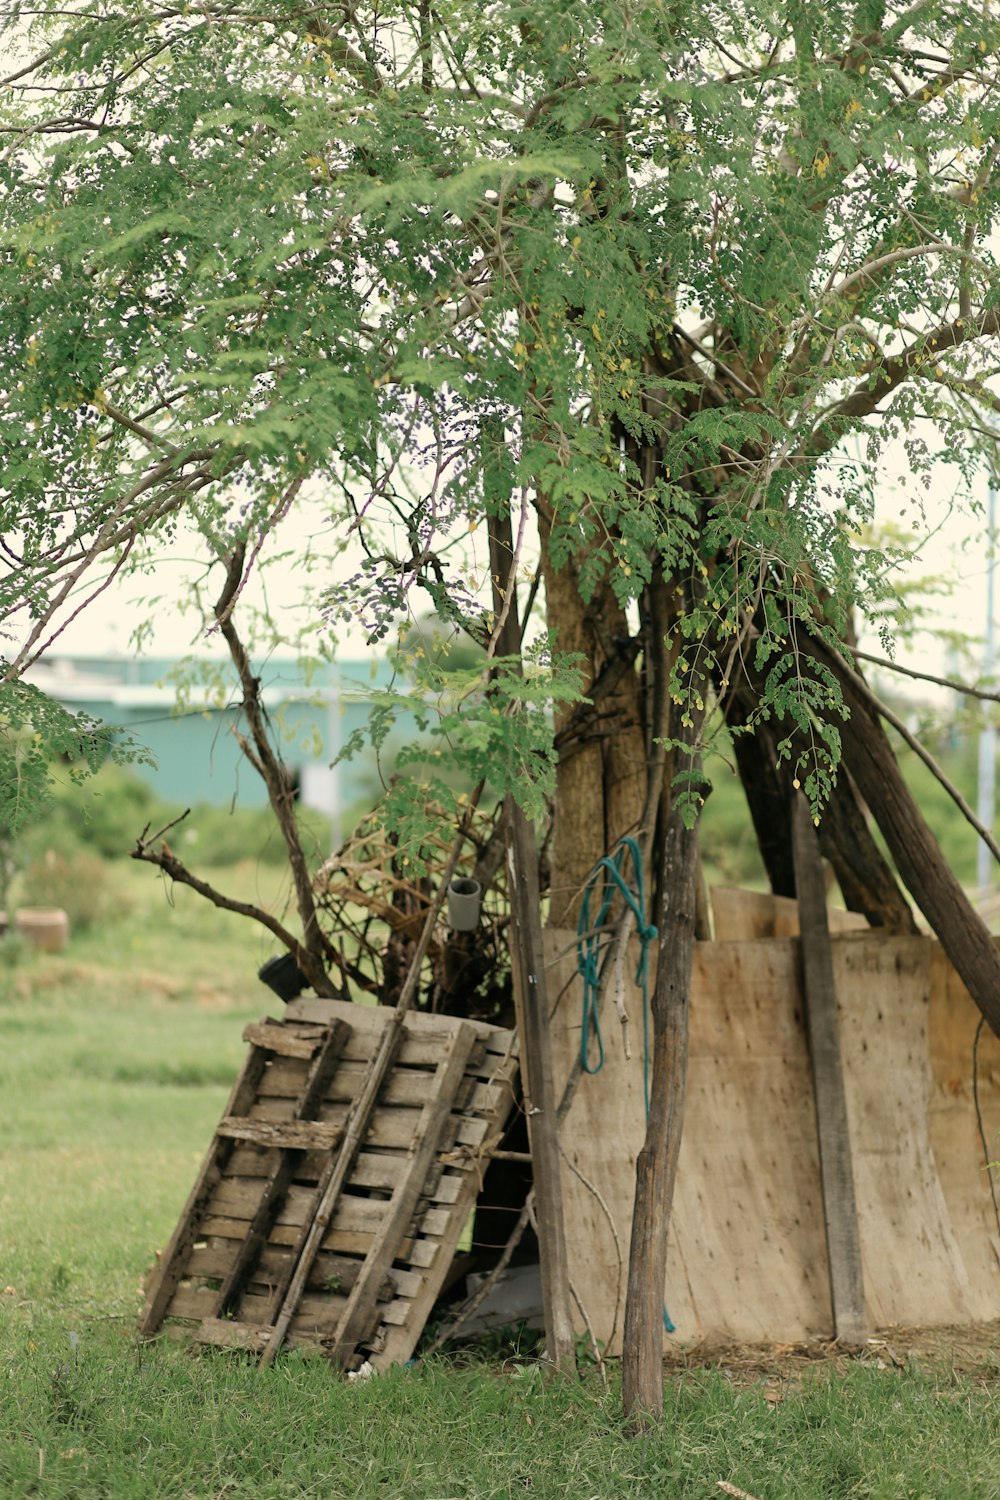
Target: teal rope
610 870
588 948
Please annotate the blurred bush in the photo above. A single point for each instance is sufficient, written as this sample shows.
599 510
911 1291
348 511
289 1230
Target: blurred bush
103 815
106 814
74 880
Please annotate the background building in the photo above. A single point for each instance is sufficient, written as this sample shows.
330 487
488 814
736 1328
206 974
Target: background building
185 713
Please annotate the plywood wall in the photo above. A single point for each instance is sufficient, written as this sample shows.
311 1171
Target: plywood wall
747 1250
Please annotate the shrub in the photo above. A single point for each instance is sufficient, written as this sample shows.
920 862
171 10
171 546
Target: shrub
103 815
74 880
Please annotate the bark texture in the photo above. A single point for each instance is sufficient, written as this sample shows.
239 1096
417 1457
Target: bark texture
656 1165
601 776
869 757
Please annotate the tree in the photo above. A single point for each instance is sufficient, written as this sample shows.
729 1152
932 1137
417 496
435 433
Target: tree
628 273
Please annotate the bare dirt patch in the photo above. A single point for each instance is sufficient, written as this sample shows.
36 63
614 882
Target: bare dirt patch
963 1350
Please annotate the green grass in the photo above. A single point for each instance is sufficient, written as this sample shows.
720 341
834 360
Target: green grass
115 1061
88 1411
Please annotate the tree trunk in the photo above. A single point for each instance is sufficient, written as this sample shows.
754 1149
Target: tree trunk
863 874
869 757
531 1001
866 881
601 775
656 1166
757 763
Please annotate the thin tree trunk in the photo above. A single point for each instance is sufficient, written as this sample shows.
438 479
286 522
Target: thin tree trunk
531 998
757 763
866 881
869 757
656 1166
865 878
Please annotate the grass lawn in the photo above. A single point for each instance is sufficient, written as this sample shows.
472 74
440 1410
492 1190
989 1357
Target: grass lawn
115 1061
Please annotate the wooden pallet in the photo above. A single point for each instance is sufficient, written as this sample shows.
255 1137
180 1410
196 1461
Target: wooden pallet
300 1231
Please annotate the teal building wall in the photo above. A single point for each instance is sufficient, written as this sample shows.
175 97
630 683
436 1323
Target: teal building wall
190 737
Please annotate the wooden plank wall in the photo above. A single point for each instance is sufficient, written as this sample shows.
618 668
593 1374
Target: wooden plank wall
954 1133
747 1254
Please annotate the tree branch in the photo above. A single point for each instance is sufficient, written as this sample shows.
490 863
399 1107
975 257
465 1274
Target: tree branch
923 754
168 862
864 399
315 948
948 682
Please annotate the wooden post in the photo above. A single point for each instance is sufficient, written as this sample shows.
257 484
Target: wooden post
531 1000
840 1211
531 1003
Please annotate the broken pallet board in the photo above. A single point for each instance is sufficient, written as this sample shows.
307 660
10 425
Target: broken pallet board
263 1244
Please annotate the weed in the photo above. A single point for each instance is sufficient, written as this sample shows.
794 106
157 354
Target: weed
13 949
61 1278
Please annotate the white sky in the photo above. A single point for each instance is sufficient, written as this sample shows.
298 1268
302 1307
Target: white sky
955 546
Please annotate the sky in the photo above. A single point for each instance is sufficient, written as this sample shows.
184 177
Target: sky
953 545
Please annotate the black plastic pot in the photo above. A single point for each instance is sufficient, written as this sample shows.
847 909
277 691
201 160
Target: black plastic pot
283 975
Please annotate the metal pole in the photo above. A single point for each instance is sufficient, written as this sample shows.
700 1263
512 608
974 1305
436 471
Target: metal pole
985 863
333 749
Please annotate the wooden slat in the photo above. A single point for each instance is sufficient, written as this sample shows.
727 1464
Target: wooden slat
237 1198
317 1312
315 1085
390 1128
206 1184
377 1170
435 1221
423 1032
448 1188
288 1135
398 1217
370 1020
836 1171
413 1249
371 1170
406 1086
213 1261
330 1272
224 1334
284 1041
357 1127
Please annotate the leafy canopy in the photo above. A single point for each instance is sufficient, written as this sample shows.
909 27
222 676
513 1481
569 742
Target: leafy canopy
639 267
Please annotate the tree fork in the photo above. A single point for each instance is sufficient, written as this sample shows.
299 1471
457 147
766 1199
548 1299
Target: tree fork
602 760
